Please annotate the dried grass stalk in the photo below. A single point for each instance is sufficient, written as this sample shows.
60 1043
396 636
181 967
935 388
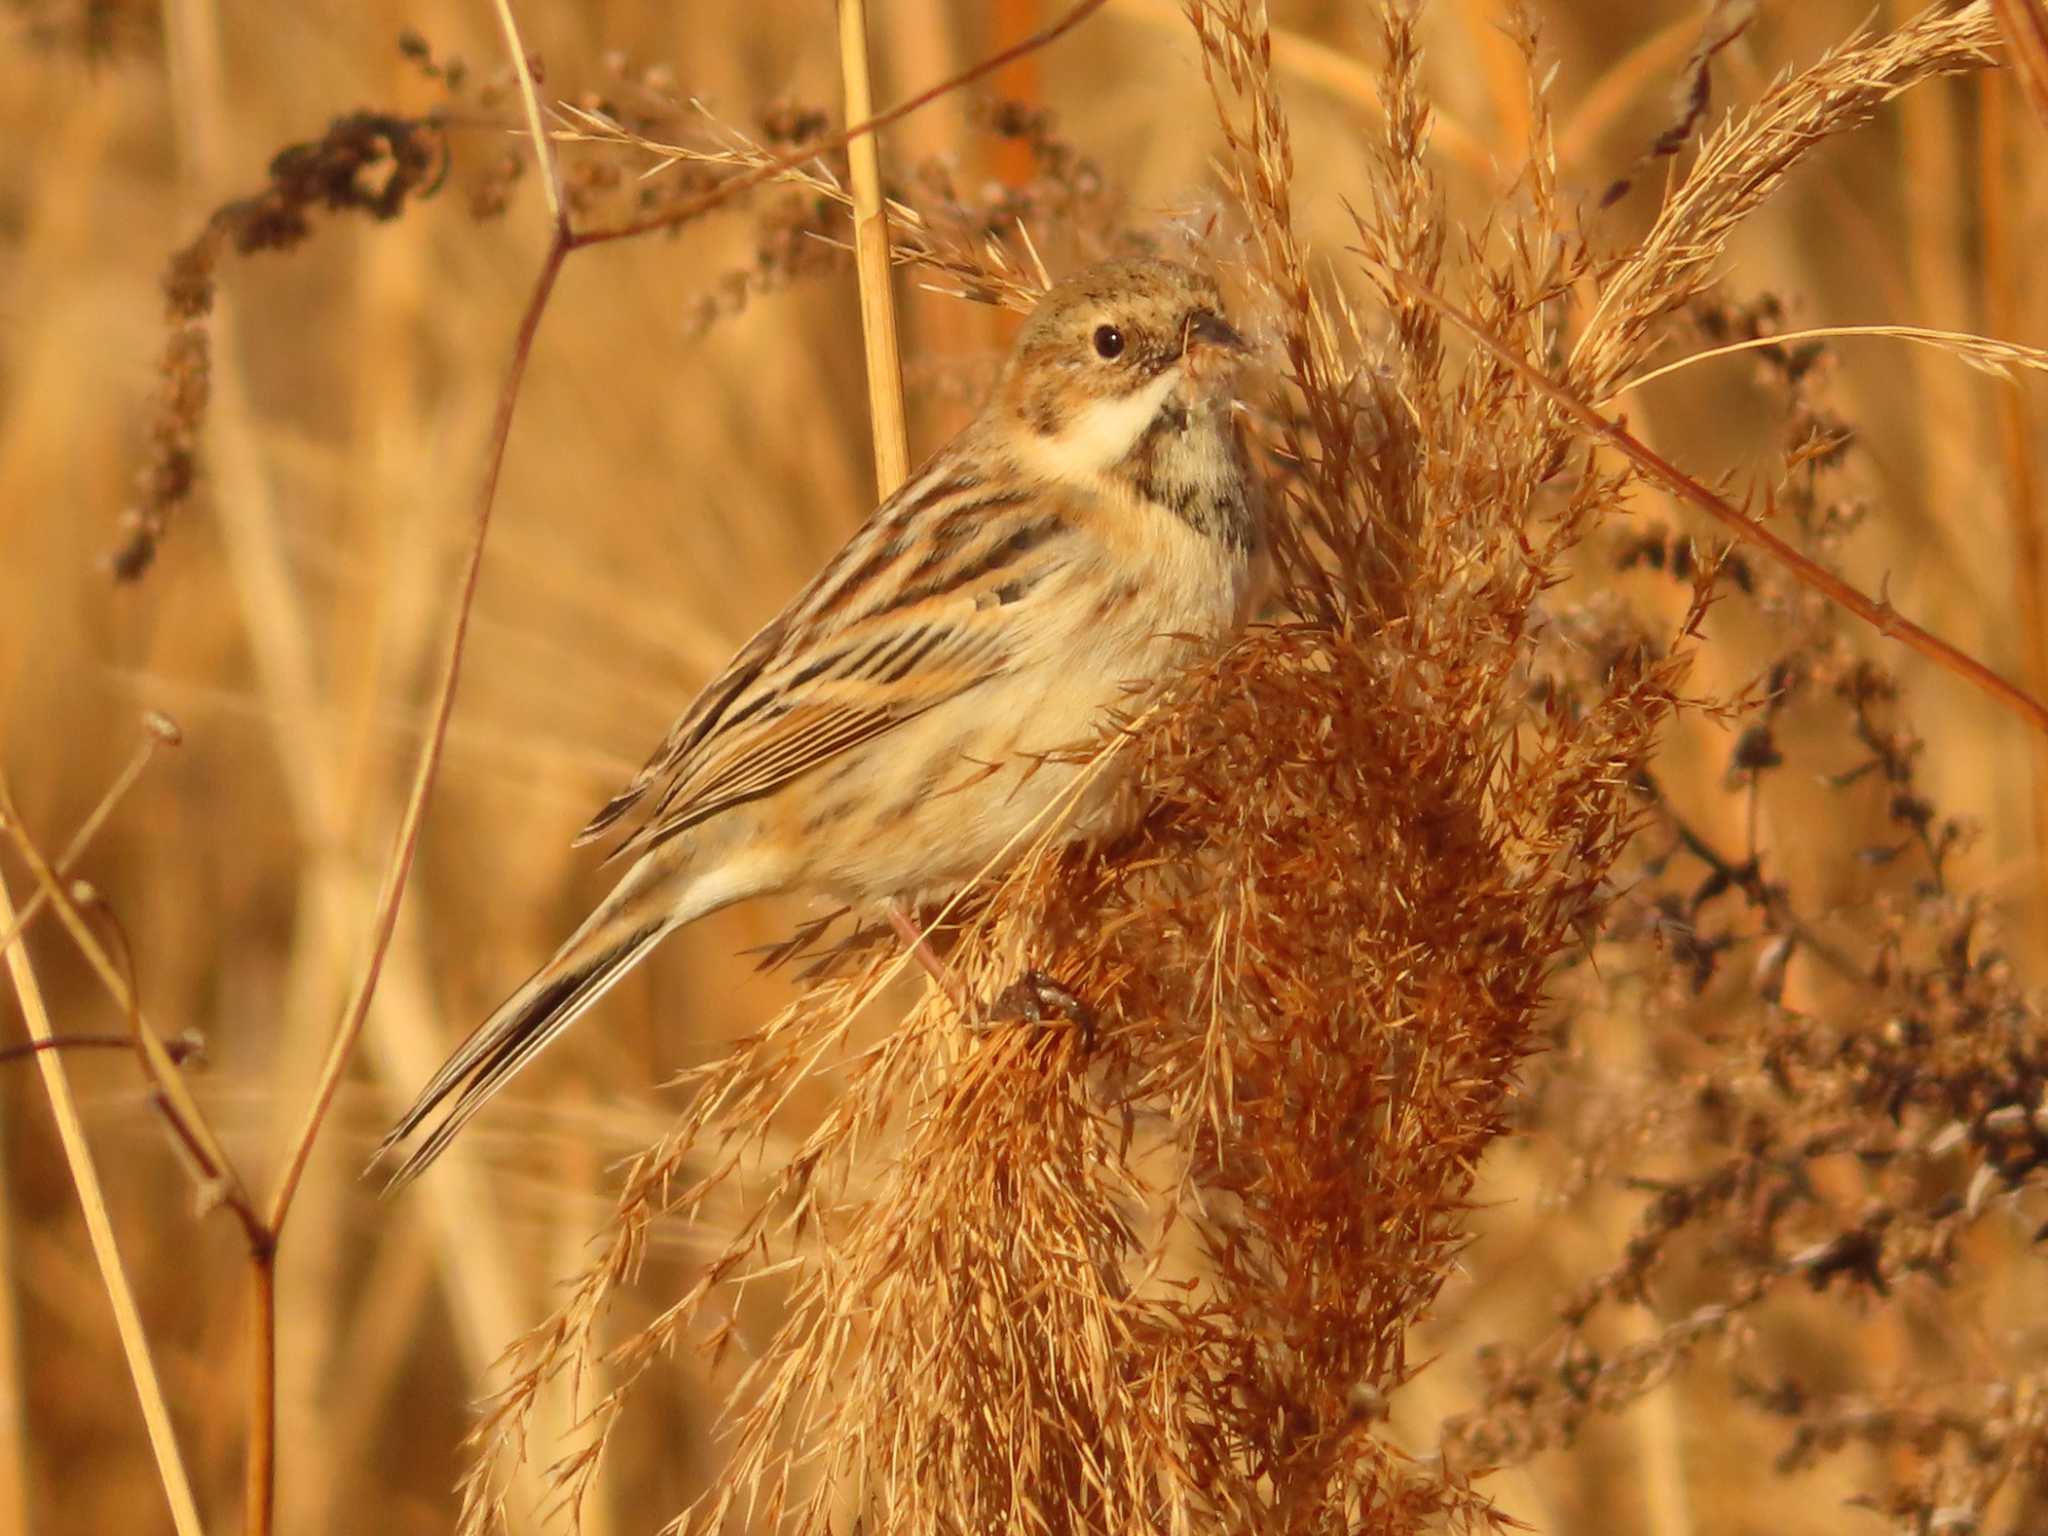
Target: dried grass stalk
1744 161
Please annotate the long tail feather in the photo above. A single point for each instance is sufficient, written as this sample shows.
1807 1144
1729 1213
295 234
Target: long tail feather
653 900
525 1025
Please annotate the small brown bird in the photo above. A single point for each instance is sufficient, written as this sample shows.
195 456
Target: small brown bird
886 737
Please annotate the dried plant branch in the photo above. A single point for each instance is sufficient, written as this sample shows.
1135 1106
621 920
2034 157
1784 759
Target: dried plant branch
1374 549
1879 615
683 213
163 1440
219 1181
369 163
1746 877
986 273
261 1491
406 844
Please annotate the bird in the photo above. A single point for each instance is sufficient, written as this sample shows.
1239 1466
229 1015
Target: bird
893 733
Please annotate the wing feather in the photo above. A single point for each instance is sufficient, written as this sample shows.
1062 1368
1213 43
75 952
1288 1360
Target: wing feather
916 609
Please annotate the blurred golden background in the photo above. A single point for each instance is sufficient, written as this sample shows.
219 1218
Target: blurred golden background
669 483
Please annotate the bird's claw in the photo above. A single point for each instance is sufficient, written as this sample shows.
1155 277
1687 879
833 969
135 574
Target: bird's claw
1036 998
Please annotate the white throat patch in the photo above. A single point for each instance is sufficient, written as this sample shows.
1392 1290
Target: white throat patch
1103 432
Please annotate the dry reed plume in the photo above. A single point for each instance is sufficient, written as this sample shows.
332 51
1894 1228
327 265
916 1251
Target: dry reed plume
1460 909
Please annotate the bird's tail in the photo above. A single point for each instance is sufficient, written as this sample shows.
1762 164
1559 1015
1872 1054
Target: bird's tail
645 907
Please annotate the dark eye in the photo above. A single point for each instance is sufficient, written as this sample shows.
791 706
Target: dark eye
1109 341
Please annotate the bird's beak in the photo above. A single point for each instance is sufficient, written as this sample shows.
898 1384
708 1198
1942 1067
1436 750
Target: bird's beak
1210 330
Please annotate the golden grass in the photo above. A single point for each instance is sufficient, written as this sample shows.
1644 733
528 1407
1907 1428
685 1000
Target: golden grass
1566 1039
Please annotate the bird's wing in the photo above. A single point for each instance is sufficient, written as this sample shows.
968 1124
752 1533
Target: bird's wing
921 605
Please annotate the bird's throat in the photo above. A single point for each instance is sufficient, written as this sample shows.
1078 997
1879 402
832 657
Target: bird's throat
1191 461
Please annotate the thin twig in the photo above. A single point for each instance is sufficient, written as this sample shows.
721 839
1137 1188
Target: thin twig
406 844
179 1049
163 731
156 1417
1879 615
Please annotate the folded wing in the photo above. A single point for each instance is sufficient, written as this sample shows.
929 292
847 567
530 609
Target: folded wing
923 604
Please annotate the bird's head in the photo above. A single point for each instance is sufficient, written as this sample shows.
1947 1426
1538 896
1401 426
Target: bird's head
1114 356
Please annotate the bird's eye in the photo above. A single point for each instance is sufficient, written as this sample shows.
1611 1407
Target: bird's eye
1109 342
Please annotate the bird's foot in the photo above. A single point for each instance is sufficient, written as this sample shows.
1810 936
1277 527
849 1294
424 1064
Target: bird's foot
1036 998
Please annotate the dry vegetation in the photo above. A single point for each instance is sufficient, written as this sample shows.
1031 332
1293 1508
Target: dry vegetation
1567 1038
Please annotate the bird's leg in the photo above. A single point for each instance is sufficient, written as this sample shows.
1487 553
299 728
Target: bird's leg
933 962
1033 998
